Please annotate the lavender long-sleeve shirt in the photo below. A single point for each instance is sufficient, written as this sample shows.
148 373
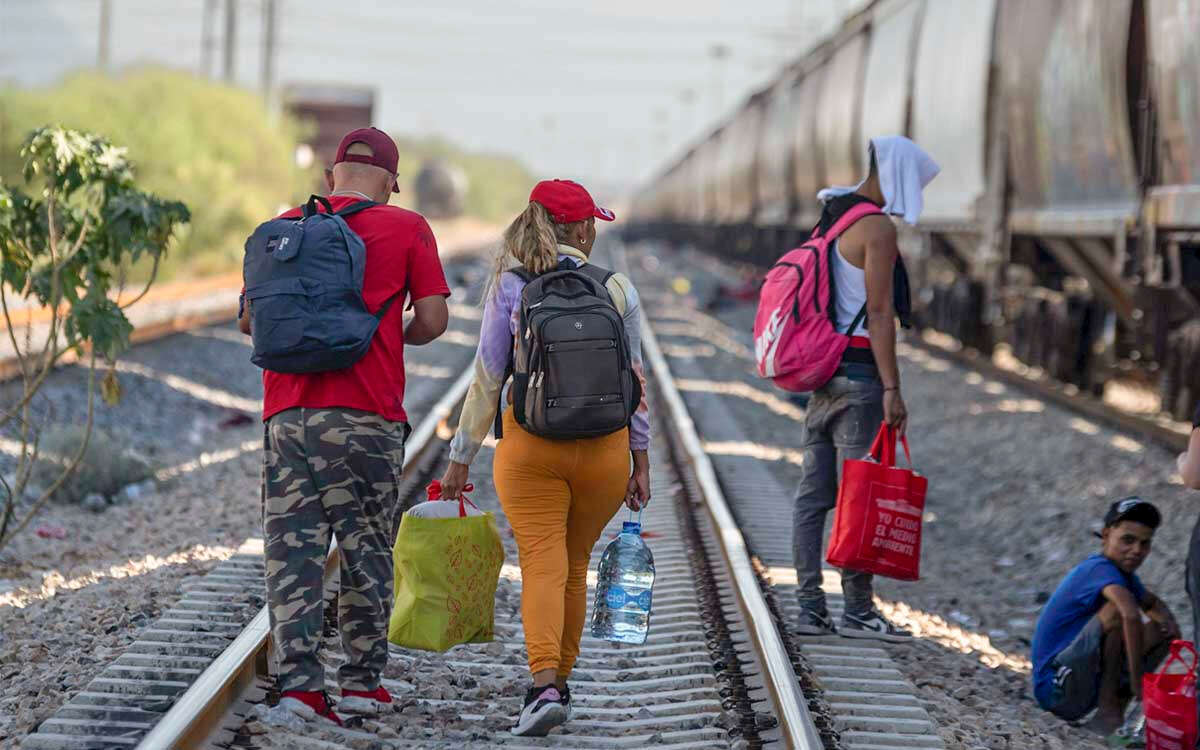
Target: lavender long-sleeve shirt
501 313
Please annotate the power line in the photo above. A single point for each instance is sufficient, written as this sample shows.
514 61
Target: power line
208 41
230 39
268 48
105 30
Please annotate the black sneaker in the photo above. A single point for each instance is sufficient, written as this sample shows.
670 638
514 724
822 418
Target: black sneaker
812 622
566 700
544 710
872 625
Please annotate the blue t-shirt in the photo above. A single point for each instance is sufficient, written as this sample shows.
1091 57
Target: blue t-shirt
1075 601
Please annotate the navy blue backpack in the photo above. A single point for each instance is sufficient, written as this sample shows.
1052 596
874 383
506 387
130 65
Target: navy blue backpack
304 282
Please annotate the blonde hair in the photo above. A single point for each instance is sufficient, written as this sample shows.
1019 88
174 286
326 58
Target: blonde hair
531 240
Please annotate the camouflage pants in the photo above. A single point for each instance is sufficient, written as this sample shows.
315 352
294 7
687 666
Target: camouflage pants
330 471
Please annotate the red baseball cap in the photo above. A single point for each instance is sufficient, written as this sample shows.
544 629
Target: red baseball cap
567 202
383 150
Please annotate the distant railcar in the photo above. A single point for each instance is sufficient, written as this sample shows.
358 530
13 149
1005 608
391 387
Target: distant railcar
328 112
1066 220
441 190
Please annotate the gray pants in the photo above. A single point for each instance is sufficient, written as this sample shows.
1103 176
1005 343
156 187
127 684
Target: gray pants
1077 673
842 419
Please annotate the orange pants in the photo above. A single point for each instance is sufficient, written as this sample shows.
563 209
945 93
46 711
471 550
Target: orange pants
558 496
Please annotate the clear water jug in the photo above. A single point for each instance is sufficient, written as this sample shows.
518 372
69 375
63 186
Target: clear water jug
621 610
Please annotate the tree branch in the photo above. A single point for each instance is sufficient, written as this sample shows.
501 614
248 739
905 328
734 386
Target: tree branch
12 335
153 276
74 464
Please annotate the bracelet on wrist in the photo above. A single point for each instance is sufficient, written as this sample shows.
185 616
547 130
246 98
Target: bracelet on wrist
893 388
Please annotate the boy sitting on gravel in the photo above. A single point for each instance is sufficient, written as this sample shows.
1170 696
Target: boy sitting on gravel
1093 641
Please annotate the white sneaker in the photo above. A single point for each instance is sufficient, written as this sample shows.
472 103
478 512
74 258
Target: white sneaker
292 713
363 703
543 711
874 626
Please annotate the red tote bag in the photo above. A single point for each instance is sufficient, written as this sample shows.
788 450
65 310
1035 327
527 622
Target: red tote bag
877 524
1169 702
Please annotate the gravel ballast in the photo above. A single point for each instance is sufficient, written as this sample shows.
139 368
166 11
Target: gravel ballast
1016 487
77 586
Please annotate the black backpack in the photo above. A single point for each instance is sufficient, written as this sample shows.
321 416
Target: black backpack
572 372
304 282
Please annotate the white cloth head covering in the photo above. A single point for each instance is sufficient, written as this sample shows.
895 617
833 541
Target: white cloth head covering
904 171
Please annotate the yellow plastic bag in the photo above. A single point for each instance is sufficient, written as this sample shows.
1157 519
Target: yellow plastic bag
445 572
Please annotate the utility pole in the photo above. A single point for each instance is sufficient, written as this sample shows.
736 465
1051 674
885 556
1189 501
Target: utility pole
230 39
688 97
207 41
102 49
719 54
268 49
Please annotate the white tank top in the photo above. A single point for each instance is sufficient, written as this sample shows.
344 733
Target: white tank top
850 288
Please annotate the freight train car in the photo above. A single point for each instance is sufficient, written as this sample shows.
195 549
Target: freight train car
328 112
1066 219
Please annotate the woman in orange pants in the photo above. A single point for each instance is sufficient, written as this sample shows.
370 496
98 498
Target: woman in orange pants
558 495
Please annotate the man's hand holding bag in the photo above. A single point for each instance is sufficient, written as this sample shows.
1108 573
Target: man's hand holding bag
877 524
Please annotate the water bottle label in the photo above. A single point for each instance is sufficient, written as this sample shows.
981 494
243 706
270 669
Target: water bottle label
617 598
643 600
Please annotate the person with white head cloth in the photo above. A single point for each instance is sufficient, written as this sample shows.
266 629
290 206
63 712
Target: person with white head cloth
870 291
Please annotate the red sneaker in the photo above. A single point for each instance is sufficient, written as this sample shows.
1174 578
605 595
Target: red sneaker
306 704
371 703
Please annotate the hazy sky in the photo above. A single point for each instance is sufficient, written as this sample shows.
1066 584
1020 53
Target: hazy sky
597 91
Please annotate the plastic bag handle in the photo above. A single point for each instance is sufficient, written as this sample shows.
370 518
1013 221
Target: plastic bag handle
907 454
1177 647
434 492
883 449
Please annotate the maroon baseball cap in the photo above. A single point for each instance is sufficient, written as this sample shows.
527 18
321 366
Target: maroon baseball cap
383 150
567 202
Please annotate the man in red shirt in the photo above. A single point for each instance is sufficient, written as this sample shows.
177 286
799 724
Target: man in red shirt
333 450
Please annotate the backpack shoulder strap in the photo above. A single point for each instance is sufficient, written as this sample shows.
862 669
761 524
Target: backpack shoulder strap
603 276
852 215
310 208
388 303
522 273
354 208
844 222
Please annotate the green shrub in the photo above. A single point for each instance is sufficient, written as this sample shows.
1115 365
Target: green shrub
214 147
105 468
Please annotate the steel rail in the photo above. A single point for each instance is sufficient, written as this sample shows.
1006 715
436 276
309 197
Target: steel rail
10 367
194 717
1145 427
796 723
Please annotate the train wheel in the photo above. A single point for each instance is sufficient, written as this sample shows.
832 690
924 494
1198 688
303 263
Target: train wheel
1036 333
1189 377
1169 376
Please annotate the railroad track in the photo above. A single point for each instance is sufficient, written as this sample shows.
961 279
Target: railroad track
1156 429
720 668
714 672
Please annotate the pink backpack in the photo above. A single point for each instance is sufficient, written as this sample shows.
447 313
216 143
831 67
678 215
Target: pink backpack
795 341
